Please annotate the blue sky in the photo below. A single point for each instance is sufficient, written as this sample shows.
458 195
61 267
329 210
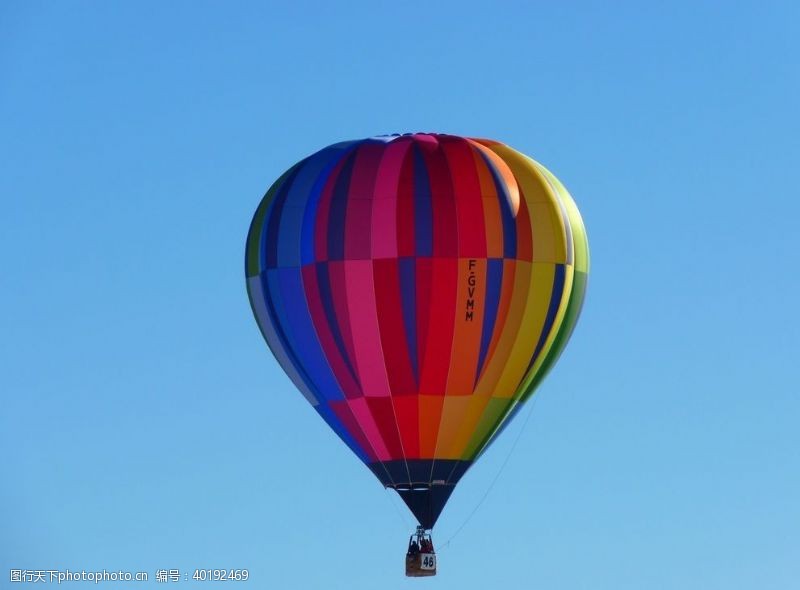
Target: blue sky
144 424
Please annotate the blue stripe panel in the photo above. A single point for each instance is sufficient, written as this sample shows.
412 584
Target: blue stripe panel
494 283
333 421
307 237
407 268
287 284
556 295
326 295
506 214
289 236
423 212
257 233
292 212
269 238
338 211
275 309
273 336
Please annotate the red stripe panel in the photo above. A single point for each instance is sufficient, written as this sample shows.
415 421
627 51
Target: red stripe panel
393 336
338 277
439 334
445 235
469 207
407 410
406 244
423 280
383 413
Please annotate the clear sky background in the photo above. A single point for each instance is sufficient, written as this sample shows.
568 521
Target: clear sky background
145 425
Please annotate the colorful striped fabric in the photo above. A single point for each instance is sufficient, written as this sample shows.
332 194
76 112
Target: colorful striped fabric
416 289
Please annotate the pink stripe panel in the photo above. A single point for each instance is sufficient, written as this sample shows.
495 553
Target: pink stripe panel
391 164
384 228
365 168
358 224
365 420
366 332
345 414
384 210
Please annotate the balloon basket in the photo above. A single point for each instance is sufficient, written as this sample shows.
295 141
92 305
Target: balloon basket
420 557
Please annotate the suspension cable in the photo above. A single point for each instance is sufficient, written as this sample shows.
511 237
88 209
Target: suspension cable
496 477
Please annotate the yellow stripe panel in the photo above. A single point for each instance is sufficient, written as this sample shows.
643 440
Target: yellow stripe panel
453 415
548 229
581 242
531 322
466 420
569 276
495 409
490 420
476 405
506 368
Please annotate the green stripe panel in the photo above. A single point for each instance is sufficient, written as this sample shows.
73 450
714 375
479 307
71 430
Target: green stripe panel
252 257
564 332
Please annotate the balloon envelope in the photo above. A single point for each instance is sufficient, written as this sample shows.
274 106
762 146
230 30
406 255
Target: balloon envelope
416 289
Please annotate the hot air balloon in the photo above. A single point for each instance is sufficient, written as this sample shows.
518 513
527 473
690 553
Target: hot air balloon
416 289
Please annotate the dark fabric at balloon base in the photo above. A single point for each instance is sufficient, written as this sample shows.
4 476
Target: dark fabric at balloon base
427 505
424 484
